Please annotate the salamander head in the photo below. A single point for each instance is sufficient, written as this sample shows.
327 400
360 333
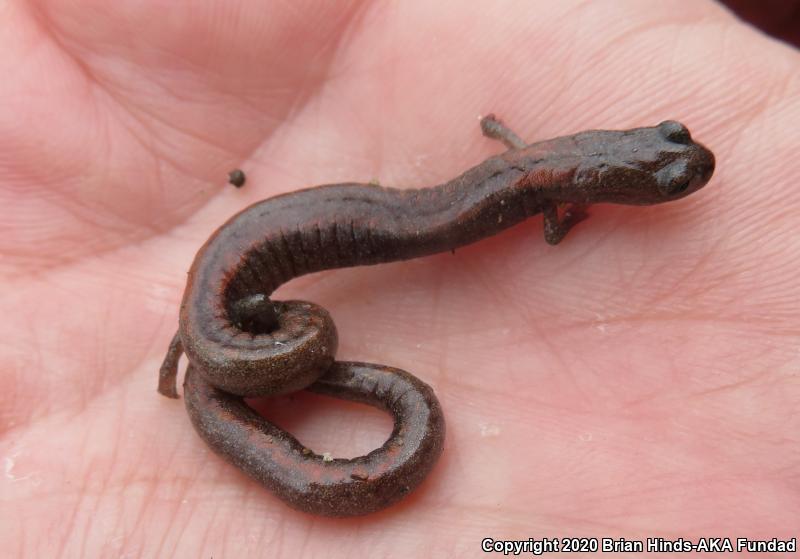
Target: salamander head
640 166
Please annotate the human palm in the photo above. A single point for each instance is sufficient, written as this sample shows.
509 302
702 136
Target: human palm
639 379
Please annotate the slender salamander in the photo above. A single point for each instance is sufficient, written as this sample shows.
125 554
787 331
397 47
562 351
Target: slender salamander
240 344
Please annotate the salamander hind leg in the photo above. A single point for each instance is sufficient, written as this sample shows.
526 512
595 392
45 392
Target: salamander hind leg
169 368
255 314
493 127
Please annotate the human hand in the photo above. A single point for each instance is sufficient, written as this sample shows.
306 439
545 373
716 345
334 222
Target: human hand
640 379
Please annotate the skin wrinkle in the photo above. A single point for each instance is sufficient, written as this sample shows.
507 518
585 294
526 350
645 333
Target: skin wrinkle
95 508
540 333
163 154
42 21
440 366
72 512
631 35
37 267
621 39
214 521
668 293
753 114
460 382
157 118
655 487
92 78
496 298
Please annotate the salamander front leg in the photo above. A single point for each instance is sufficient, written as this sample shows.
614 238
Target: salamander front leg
555 228
493 127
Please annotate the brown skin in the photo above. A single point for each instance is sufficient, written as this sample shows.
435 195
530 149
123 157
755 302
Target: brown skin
638 379
343 225
242 344
311 482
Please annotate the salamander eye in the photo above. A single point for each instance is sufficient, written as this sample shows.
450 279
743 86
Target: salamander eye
673 179
679 187
674 132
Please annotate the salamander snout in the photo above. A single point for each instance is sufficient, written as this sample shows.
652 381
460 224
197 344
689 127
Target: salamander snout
687 173
682 177
640 166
